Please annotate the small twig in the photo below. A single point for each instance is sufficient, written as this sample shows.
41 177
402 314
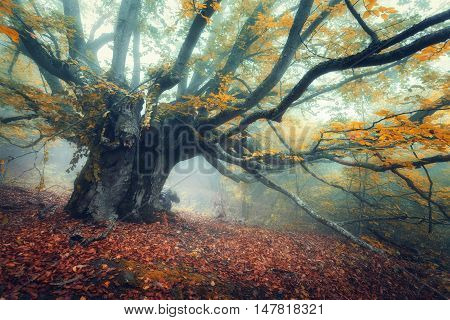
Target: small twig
87 241
63 283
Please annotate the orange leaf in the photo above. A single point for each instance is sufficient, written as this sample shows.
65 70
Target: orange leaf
11 33
366 14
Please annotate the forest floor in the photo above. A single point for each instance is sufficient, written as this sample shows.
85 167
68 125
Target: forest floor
188 258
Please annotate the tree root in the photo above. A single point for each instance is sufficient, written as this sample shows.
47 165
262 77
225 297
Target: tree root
63 283
76 237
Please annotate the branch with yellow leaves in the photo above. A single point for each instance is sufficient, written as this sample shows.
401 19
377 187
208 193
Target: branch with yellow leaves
368 57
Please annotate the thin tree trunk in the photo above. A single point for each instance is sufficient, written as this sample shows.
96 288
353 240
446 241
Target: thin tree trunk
314 214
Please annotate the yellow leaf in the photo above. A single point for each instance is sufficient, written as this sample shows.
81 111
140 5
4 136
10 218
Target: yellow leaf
371 4
6 7
382 112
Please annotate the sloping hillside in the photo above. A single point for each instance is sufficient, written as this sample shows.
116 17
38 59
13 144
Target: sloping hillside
41 256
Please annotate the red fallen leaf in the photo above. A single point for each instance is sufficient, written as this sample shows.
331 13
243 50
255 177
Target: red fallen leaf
10 264
78 267
255 260
78 287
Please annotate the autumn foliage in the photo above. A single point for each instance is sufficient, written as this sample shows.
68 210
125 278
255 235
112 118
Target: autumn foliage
224 81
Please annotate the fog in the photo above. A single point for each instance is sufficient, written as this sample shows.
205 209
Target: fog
196 182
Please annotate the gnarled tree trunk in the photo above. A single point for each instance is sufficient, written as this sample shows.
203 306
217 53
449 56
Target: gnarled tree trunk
151 168
101 186
126 170
118 191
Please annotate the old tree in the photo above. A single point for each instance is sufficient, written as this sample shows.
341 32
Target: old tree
224 70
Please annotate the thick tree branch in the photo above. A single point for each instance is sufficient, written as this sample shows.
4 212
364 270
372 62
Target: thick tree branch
75 36
182 86
166 81
204 69
17 118
383 168
286 56
403 52
363 59
136 76
342 83
218 152
50 35
44 58
244 40
127 20
99 42
38 53
295 38
169 80
53 81
96 26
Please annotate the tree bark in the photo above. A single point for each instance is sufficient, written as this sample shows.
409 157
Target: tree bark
120 186
150 172
101 185
128 166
